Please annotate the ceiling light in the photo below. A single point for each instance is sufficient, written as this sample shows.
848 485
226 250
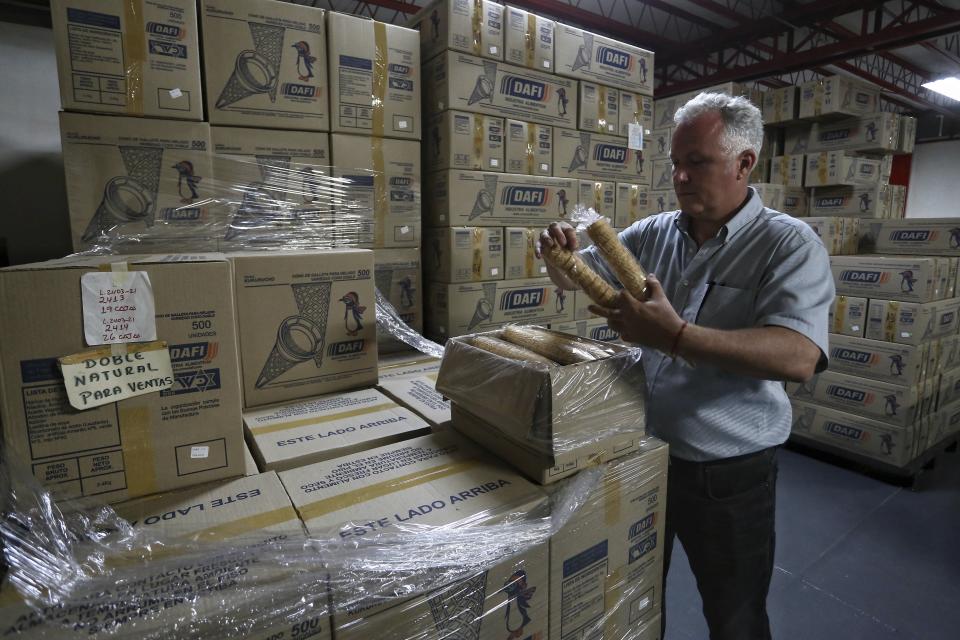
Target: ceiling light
949 87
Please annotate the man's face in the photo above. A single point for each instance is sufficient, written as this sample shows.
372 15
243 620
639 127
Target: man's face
709 182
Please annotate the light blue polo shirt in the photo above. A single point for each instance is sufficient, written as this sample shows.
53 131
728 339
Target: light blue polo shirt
762 268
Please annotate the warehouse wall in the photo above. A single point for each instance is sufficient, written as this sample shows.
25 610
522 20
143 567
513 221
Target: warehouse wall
935 181
33 216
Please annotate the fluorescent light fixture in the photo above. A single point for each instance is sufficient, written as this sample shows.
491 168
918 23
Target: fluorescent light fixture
949 87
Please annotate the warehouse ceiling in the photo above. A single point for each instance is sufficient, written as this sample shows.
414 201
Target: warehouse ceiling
896 44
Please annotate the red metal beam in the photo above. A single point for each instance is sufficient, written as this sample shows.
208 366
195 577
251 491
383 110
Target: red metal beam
395 5
669 7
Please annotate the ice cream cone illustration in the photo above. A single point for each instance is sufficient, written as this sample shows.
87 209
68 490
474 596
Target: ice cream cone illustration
579 159
457 611
803 420
129 198
584 53
255 71
486 197
300 337
406 292
484 308
484 87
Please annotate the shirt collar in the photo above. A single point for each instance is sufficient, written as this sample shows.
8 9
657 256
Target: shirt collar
752 208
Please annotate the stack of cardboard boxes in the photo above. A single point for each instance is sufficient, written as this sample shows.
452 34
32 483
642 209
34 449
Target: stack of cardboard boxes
526 118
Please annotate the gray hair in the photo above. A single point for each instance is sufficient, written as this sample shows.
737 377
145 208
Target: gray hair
742 122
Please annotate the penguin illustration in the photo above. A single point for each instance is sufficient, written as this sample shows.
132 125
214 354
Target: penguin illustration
518 595
661 203
802 423
562 203
562 101
304 71
639 158
896 365
872 132
886 444
352 313
406 292
561 299
907 281
955 238
186 176
864 201
661 144
643 70
892 405
435 25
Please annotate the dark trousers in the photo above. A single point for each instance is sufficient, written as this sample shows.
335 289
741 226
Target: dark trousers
723 513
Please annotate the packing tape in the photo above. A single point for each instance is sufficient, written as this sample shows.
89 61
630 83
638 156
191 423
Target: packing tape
340 415
477 237
478 136
530 40
890 322
613 603
119 277
135 52
822 168
476 26
380 489
839 314
598 197
531 141
601 109
379 80
138 458
380 202
530 258
252 523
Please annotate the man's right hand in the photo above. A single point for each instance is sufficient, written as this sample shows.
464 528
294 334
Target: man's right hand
559 233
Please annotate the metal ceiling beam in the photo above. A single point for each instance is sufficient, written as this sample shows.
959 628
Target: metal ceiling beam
896 89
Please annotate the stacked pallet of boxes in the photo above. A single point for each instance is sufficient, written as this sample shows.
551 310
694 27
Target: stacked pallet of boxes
526 119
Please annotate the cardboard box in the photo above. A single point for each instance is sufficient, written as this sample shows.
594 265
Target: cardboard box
948 354
595 328
520 259
265 64
541 409
379 203
663 200
528 39
661 176
836 168
787 170
102 68
658 144
908 134
457 309
874 133
308 431
470 141
633 203
497 199
374 78
772 195
871 399
795 139
529 148
142 444
795 202
831 233
635 108
409 364
595 58
861 435
282 176
863 201
474 27
467 83
464 254
419 393
397 275
909 322
591 156
838 96
137 179
306 323
250 467
914 236
440 480
581 307
601 196
887 277
889 362
848 316
599 109
606 563
780 105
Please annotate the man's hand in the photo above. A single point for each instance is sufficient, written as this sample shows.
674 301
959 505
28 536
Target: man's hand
651 322
559 233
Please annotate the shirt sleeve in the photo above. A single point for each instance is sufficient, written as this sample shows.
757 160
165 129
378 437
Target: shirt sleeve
797 291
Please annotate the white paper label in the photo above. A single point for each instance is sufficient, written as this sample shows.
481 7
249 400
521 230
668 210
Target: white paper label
493 49
401 124
199 452
855 327
494 271
118 307
635 136
175 93
546 64
494 162
905 334
544 166
543 269
98 377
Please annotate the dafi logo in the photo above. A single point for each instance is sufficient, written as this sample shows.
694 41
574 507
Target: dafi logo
346 348
845 431
641 526
400 69
294 90
524 196
401 181
610 57
604 334
835 136
610 153
857 357
830 203
523 299
864 277
181 214
518 87
862 99
166 30
947 318
913 235
194 352
849 395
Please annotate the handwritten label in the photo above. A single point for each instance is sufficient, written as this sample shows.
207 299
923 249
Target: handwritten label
118 307
98 377
635 136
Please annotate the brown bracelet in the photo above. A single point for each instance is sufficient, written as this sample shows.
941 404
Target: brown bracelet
676 341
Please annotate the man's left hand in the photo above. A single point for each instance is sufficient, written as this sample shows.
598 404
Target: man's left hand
651 322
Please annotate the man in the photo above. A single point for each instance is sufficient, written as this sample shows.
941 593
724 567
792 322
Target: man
740 304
